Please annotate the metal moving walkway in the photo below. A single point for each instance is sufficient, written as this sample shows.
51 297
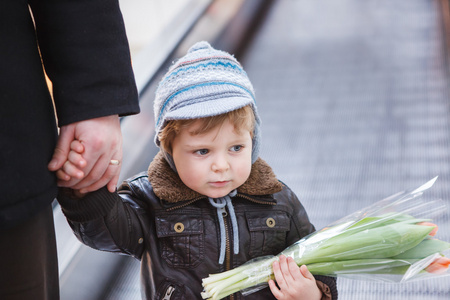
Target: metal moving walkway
355 104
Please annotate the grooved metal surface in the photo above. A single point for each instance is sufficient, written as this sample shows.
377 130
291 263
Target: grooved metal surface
126 284
354 100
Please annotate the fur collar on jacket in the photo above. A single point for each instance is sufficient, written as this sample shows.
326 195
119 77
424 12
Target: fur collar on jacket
168 186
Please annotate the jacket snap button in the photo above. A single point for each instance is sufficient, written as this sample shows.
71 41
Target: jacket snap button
270 222
179 227
141 240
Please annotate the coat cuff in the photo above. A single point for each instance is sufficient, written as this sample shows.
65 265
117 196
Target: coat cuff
92 206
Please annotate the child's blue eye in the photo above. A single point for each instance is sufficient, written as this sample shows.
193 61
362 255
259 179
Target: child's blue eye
202 152
236 148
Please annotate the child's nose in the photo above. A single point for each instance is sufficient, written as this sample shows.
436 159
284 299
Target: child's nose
220 164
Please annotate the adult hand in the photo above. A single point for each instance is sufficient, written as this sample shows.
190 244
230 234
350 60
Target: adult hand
101 139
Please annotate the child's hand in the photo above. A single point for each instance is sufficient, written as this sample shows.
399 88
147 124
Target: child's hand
293 282
74 164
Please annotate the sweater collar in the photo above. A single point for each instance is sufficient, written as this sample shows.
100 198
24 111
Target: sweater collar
168 186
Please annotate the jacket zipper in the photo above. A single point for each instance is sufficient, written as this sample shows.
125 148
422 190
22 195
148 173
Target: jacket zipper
169 292
170 289
256 201
184 204
238 195
227 246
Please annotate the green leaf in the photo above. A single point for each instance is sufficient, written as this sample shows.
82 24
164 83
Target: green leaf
361 266
380 242
424 249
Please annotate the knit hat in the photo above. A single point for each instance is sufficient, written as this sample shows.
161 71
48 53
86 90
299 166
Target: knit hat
205 82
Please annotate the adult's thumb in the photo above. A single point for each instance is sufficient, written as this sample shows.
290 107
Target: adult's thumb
61 152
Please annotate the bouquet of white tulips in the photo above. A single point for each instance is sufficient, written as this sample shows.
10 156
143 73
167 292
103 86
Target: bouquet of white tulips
391 240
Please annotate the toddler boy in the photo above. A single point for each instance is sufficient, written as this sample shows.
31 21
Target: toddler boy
207 203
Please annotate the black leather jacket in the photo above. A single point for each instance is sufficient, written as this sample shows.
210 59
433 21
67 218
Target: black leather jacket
178 239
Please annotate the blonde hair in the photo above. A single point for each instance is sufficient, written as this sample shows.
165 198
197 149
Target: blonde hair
242 119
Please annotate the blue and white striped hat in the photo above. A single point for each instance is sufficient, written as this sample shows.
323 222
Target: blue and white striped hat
205 82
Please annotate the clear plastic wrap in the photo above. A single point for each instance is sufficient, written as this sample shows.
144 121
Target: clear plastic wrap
391 240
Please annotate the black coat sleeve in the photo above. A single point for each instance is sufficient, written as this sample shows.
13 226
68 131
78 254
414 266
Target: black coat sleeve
86 55
105 221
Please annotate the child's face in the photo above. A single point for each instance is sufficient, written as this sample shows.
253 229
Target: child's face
214 163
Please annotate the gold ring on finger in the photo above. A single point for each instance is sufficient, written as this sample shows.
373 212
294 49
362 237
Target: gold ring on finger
115 162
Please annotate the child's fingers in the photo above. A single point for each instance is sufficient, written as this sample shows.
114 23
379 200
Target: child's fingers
77 160
285 269
305 272
72 170
72 167
78 194
77 146
281 272
274 289
294 270
293 282
61 175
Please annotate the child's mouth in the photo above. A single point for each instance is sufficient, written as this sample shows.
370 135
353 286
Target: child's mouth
219 183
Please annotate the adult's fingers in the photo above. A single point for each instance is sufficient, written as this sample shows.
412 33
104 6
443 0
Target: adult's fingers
104 173
112 184
101 139
61 152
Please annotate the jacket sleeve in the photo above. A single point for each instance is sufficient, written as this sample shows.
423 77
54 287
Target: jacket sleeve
105 221
300 227
85 53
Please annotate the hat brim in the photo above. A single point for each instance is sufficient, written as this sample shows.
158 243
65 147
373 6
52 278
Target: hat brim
208 108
